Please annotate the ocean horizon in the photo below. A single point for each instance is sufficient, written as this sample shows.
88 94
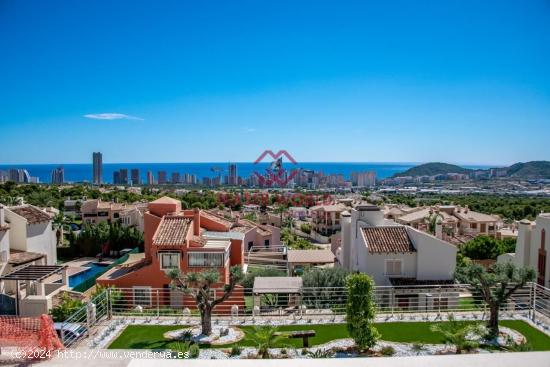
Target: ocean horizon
82 172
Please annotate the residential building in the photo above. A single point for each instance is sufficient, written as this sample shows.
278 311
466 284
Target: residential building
150 178
19 175
257 236
116 178
58 176
457 221
96 211
232 175
97 168
325 219
188 240
532 246
363 179
71 207
135 176
162 178
176 178
124 176
392 253
298 212
31 231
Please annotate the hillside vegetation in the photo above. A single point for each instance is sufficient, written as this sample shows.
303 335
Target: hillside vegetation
431 169
533 169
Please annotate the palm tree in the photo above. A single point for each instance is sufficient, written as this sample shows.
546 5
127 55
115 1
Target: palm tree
459 334
432 219
59 222
265 337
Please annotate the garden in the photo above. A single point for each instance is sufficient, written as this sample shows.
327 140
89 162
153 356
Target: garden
360 333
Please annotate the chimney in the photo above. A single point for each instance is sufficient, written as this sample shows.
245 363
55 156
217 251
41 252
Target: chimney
345 241
196 222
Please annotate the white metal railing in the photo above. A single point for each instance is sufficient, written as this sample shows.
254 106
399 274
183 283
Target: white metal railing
321 301
531 301
81 322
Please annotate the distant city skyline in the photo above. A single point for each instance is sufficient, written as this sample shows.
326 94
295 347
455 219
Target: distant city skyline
462 82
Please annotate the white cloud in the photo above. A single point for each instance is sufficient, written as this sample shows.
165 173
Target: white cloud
249 130
111 116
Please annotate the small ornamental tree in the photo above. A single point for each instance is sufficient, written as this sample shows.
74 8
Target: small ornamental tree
495 285
360 310
199 285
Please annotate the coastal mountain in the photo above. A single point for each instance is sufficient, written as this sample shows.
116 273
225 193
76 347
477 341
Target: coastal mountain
527 170
432 169
534 169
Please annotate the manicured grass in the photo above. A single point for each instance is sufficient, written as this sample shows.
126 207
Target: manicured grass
538 340
150 336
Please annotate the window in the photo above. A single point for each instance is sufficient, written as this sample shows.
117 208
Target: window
394 267
169 260
214 259
142 296
266 243
473 225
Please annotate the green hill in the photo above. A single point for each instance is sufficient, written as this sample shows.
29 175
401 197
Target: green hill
534 169
431 169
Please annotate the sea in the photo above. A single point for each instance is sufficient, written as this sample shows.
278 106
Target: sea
83 172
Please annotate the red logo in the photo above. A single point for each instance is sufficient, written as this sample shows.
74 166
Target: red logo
276 174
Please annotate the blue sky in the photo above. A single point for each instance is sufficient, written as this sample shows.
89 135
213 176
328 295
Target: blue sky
200 81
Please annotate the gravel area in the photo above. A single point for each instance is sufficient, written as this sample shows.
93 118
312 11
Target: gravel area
232 335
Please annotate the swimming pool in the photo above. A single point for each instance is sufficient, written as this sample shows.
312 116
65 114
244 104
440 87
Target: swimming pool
93 269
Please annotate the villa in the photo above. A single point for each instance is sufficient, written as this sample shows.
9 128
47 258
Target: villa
392 253
96 211
30 234
325 219
457 221
188 240
532 247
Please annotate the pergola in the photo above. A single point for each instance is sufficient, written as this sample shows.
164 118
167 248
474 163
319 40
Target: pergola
33 273
290 286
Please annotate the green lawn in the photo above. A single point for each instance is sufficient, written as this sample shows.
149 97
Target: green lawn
150 336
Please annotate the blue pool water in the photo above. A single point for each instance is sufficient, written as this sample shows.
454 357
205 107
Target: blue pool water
93 269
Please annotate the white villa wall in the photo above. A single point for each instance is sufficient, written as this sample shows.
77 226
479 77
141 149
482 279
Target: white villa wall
436 259
18 231
4 250
541 222
375 266
39 237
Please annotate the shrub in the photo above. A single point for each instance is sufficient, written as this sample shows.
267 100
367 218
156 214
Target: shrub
458 333
321 353
194 351
235 351
66 308
360 310
387 351
306 228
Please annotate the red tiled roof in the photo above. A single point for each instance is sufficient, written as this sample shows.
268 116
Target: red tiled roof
172 230
388 239
31 214
216 218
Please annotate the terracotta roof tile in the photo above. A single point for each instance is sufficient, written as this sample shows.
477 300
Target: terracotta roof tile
216 218
172 230
388 239
31 214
